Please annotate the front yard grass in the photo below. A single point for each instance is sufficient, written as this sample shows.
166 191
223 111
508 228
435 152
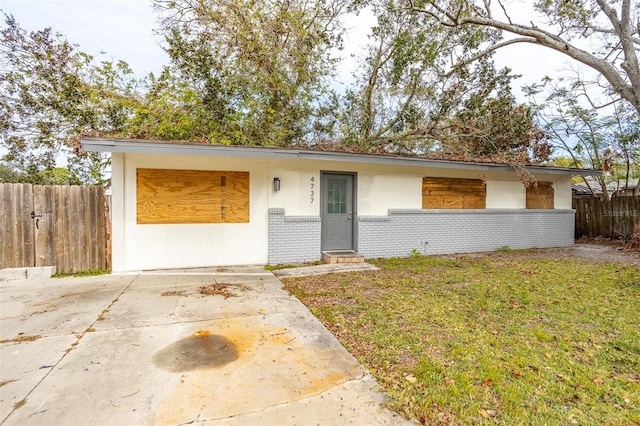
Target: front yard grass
495 339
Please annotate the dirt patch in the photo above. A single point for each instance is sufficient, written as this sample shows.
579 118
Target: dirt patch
592 252
221 289
609 251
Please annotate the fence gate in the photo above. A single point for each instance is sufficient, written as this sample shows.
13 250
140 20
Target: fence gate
45 225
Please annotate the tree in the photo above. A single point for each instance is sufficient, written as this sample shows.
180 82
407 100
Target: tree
407 101
51 93
612 34
609 142
259 68
55 176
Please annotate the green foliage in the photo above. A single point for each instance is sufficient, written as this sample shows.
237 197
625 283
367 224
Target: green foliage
276 267
505 249
257 73
50 93
258 69
408 100
36 176
86 273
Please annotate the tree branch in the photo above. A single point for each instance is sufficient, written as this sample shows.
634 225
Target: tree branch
488 51
627 90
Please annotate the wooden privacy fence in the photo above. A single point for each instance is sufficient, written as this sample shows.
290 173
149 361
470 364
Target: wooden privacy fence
62 226
614 218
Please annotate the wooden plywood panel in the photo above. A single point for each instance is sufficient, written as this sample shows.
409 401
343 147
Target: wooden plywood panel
541 196
191 196
452 193
234 197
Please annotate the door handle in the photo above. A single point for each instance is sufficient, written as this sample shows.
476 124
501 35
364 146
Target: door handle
349 217
37 218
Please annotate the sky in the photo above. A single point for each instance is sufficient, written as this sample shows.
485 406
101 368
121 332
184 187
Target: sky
123 30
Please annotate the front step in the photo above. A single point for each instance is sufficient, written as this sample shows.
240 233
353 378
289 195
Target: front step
342 256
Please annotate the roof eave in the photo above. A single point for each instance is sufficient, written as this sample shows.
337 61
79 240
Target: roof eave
164 148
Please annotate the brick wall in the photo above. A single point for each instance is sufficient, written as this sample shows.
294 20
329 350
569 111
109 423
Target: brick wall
458 231
293 238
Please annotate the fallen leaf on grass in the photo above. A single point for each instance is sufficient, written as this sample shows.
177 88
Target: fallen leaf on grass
487 414
411 379
598 381
487 382
516 373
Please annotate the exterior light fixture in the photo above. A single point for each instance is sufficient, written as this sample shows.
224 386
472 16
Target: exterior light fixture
276 184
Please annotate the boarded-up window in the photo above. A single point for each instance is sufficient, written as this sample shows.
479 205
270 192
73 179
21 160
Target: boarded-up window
541 196
451 193
191 196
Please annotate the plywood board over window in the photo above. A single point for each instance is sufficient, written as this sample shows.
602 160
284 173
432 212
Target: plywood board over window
191 196
540 196
453 193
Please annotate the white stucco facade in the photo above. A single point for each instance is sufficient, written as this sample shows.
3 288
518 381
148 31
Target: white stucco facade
153 246
379 188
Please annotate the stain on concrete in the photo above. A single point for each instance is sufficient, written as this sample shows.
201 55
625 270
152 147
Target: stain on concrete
200 351
279 360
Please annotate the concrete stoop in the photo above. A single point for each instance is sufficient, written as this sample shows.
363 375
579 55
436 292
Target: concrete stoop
342 256
36 272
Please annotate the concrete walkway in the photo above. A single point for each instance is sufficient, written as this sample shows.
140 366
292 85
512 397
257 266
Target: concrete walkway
216 346
304 271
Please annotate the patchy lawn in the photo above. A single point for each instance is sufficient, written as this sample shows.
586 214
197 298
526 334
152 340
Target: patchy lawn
495 339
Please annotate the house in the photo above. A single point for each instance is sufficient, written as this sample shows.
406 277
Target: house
194 205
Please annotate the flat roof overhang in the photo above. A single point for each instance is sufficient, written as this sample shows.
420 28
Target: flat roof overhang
135 146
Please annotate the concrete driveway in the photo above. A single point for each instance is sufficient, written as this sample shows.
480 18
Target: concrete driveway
219 346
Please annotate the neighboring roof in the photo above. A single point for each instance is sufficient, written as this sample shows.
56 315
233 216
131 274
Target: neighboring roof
582 189
612 187
182 148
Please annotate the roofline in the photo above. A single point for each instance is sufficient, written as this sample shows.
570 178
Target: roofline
134 146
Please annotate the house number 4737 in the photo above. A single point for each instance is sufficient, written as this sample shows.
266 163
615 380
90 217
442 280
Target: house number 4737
312 192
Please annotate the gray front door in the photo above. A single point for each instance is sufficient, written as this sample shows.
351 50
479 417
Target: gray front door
337 211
